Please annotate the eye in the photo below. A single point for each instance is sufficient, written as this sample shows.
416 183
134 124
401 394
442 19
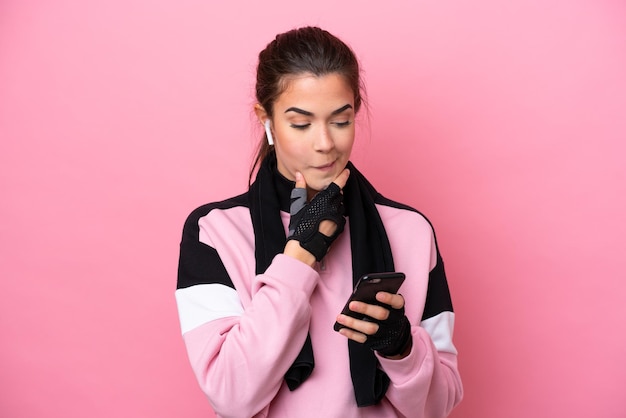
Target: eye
301 127
343 124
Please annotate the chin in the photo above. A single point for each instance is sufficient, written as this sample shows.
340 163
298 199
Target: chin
316 187
322 183
319 181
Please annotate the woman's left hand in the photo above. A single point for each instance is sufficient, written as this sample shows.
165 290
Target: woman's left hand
388 331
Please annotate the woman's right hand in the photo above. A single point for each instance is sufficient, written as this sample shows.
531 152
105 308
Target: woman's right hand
300 237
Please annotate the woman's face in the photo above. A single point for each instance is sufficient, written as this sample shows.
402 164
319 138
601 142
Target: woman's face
313 128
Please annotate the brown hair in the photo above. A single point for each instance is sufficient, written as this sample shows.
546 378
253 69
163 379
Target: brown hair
299 51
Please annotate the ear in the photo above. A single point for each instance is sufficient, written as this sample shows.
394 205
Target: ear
260 112
263 117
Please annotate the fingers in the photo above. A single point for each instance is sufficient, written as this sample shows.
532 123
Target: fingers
342 178
353 335
367 331
363 326
396 301
300 181
327 227
357 329
373 311
377 312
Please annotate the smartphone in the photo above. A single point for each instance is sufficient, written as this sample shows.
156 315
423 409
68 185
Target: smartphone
366 289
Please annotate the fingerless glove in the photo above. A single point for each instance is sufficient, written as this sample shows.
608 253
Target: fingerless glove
393 335
306 218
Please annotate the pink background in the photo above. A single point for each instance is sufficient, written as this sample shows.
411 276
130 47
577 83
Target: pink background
503 121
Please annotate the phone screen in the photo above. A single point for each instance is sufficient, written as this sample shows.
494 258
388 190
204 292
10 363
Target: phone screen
366 289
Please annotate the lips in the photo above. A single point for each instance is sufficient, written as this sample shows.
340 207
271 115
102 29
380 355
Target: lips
325 166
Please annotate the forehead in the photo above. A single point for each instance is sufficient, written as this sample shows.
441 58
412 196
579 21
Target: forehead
315 93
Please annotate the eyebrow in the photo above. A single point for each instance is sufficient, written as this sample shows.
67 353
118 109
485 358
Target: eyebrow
307 113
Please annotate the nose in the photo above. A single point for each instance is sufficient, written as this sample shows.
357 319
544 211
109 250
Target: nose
323 141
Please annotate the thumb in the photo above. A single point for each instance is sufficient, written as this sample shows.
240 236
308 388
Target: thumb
300 182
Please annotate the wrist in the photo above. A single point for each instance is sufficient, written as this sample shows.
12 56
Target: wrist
406 350
294 249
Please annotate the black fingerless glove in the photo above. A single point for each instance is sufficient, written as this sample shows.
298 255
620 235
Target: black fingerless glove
393 335
306 218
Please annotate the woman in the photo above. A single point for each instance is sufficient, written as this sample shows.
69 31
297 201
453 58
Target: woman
263 276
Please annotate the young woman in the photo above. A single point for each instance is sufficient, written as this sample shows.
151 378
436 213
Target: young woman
263 276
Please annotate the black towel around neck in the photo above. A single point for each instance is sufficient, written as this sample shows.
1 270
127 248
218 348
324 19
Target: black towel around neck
371 253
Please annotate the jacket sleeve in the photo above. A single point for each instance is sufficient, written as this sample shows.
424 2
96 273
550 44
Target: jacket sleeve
240 354
427 383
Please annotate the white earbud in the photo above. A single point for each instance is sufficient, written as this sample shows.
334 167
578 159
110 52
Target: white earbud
268 132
